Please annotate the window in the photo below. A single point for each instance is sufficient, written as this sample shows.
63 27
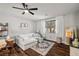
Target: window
50 26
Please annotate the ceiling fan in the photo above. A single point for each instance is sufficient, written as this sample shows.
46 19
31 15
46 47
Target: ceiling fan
25 8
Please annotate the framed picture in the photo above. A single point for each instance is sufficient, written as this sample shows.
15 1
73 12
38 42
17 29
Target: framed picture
3 29
23 25
50 26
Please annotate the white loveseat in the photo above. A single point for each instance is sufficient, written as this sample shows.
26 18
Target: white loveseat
26 41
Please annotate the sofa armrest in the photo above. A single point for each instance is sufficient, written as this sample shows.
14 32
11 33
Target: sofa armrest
19 38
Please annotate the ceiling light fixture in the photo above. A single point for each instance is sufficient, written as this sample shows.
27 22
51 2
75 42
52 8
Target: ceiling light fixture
26 11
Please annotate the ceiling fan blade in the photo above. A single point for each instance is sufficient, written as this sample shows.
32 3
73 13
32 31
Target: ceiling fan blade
18 8
23 5
31 12
23 13
33 9
26 5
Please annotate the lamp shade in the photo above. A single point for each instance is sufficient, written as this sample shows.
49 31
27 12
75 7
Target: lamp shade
69 32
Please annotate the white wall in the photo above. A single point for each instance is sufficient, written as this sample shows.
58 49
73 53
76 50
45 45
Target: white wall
69 20
77 19
60 27
41 26
14 24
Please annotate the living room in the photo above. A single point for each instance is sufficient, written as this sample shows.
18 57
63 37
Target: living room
23 22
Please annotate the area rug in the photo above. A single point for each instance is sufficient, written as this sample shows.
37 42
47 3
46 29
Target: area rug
43 51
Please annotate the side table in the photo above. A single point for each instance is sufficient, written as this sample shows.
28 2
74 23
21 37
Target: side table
10 46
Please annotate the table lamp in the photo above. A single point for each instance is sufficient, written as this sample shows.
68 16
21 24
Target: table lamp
69 34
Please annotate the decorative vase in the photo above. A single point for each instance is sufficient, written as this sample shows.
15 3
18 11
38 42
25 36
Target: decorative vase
75 42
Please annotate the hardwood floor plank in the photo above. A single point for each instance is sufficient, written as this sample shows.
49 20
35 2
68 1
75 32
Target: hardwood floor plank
56 50
59 51
31 52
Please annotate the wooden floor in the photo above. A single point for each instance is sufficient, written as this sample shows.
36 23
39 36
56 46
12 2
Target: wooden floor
56 50
59 50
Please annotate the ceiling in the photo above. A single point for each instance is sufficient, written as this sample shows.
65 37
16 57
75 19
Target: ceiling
45 10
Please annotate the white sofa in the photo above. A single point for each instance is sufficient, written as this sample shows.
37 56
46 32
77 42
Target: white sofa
26 41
